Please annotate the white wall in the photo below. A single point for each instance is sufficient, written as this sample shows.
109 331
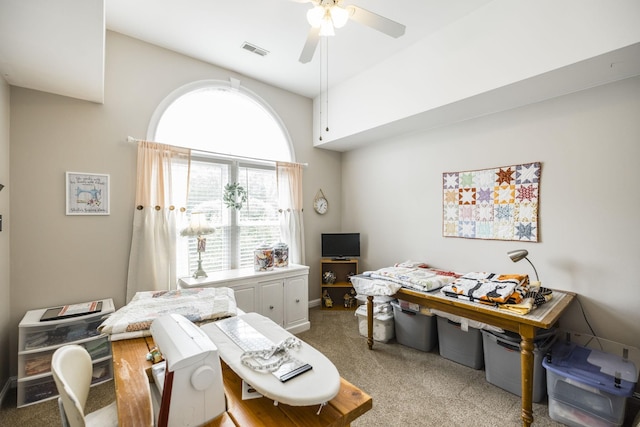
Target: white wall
501 44
5 233
589 146
59 259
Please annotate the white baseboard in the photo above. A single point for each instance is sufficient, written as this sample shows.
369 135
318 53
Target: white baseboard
314 303
11 382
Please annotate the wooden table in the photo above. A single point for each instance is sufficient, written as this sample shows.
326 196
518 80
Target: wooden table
133 397
544 317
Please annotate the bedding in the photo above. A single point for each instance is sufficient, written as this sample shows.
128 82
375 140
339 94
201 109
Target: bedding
200 305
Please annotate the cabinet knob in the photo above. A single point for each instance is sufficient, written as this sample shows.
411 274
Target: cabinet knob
297 299
270 307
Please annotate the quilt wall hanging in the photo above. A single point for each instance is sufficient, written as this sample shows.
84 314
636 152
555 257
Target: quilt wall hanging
498 204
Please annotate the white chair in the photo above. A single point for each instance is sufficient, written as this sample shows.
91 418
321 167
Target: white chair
72 369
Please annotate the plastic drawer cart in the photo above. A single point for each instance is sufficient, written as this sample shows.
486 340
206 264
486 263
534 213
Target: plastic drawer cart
38 340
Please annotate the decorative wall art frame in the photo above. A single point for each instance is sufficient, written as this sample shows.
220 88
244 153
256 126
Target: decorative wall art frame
87 193
495 204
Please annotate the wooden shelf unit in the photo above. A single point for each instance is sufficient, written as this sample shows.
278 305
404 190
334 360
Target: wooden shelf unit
342 268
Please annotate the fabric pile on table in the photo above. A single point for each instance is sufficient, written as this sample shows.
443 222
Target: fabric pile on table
196 304
511 292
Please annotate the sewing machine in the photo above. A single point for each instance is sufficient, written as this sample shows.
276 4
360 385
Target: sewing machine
188 383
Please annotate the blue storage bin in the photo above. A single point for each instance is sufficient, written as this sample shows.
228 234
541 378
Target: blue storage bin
587 386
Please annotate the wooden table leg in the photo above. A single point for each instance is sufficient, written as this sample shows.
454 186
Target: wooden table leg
527 333
370 321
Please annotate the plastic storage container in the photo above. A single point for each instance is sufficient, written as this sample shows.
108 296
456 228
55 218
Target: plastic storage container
588 386
280 255
464 347
502 361
383 324
263 258
414 329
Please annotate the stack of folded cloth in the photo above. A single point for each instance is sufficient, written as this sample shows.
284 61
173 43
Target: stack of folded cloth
511 292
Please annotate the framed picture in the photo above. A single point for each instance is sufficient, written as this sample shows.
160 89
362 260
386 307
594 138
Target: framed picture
87 193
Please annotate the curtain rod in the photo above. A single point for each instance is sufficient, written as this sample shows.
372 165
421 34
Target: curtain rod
136 140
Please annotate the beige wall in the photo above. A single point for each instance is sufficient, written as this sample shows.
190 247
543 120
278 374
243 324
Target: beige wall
4 234
589 146
59 259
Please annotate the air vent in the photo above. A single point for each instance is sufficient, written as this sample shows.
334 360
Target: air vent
255 49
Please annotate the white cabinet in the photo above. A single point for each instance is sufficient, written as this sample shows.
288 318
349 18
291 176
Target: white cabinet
281 294
38 340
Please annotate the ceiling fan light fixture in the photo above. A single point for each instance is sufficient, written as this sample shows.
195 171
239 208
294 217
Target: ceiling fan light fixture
315 16
339 16
326 27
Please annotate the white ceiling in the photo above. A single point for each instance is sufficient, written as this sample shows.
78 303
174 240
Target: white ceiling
57 46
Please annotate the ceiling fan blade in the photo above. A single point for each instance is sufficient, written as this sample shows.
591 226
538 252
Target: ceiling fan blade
310 45
375 21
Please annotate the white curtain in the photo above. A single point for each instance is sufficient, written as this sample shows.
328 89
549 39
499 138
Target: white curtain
289 177
161 196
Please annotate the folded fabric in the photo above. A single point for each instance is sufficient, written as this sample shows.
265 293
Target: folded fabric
370 286
489 288
535 297
411 264
418 278
196 304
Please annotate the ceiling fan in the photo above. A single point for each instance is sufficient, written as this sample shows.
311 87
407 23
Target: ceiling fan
326 15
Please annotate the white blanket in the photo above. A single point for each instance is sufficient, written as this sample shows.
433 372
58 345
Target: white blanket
421 279
365 285
196 304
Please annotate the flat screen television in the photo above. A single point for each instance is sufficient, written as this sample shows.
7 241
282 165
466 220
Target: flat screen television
340 245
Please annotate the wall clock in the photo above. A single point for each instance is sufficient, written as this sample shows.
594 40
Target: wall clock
320 203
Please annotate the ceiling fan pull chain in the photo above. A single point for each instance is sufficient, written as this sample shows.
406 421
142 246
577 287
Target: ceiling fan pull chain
327 97
320 101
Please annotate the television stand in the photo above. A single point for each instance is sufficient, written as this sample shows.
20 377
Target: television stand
337 292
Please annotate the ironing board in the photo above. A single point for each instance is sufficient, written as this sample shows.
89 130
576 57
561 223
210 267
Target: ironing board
314 387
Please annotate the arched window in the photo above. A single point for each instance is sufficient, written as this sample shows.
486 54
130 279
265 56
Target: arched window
236 137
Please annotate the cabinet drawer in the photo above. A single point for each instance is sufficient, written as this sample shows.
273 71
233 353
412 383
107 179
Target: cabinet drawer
44 388
102 371
49 335
31 364
36 390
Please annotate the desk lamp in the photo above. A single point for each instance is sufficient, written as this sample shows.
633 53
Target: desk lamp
198 227
519 254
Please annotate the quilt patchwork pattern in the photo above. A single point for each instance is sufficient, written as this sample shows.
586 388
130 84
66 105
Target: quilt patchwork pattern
497 204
